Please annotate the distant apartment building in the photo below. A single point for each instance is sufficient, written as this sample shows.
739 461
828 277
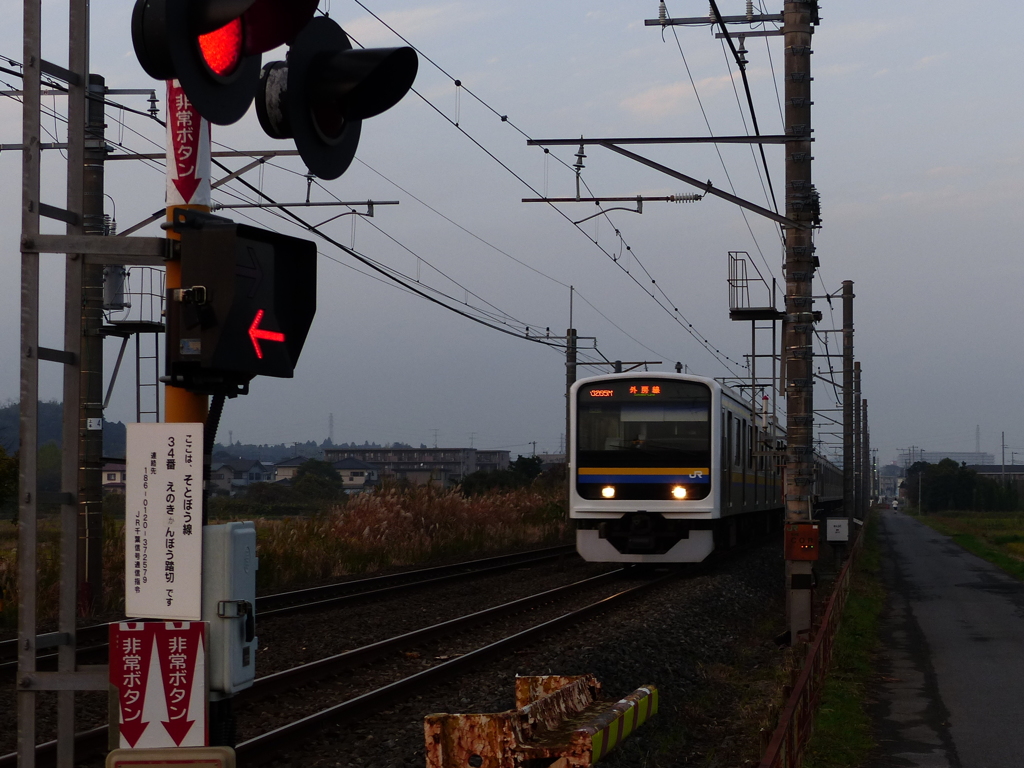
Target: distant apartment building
419 466
1010 475
889 478
907 458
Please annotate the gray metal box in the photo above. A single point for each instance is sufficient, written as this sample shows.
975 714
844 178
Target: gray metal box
229 604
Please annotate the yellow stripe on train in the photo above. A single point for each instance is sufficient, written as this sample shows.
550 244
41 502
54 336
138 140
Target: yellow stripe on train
642 470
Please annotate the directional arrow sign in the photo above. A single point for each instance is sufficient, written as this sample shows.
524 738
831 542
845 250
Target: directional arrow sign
256 333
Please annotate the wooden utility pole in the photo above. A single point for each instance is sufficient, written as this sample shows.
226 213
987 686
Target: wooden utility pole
798 327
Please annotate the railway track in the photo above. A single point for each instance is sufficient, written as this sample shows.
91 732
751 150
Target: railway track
93 743
92 640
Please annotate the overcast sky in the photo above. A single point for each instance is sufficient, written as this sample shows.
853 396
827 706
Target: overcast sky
918 161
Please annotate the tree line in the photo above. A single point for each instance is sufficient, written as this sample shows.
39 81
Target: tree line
951 486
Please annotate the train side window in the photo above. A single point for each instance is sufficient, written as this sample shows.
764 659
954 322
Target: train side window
737 444
750 446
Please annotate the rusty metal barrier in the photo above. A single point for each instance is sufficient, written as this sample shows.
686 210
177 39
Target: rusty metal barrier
557 718
796 721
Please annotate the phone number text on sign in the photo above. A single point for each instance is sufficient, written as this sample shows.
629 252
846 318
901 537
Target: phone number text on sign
163 525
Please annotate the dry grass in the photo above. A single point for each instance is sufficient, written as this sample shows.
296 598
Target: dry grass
994 536
402 527
392 527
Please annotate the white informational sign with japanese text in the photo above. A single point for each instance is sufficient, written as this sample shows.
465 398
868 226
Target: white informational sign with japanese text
164 521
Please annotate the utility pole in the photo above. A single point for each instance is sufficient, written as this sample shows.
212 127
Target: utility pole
798 326
570 379
867 481
90 401
848 461
858 444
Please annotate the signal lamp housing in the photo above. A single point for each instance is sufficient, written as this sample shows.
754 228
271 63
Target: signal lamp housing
324 91
212 47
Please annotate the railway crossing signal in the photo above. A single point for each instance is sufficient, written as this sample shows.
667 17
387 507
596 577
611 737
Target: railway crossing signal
319 96
326 88
248 300
213 47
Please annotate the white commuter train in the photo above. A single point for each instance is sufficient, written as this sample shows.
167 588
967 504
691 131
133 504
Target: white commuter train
665 467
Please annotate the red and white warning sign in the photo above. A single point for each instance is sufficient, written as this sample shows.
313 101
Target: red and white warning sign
188 141
159 671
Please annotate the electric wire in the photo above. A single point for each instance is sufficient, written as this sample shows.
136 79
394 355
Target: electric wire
721 357
718 150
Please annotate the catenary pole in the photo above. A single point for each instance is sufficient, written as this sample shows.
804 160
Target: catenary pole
90 399
868 475
848 462
858 444
798 327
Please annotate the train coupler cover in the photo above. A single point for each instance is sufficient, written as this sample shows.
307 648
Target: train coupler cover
560 718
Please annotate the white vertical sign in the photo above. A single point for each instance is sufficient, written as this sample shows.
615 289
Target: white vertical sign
164 521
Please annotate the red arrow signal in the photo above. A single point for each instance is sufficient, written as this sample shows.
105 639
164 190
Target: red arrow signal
256 333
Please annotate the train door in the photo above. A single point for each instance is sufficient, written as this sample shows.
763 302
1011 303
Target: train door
726 460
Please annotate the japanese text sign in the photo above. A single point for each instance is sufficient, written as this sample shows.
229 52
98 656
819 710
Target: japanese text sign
164 521
159 671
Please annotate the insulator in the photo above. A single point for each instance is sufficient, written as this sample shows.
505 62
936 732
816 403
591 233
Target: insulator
578 165
750 8
686 198
662 13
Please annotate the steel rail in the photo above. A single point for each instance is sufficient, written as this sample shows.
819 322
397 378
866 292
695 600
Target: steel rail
92 639
290 678
94 741
263 748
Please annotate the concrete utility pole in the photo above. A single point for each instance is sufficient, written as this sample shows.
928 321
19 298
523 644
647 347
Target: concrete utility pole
848 462
858 444
798 327
90 402
868 480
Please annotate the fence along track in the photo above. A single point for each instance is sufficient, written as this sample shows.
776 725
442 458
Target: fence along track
785 750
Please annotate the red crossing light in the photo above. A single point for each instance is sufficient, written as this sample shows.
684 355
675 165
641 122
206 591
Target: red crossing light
222 48
256 333
213 47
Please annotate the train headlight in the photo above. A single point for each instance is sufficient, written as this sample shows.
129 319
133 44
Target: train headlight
678 492
608 491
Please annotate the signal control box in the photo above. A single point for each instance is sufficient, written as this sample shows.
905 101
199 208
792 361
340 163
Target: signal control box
801 541
229 605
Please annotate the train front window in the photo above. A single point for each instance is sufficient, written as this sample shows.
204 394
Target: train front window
645 438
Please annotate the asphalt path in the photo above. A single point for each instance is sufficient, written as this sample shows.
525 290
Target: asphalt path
952 667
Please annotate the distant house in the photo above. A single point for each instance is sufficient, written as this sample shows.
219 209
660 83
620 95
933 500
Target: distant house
287 469
419 466
234 475
356 476
114 476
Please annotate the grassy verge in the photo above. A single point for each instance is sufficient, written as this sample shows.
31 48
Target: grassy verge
992 536
842 728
